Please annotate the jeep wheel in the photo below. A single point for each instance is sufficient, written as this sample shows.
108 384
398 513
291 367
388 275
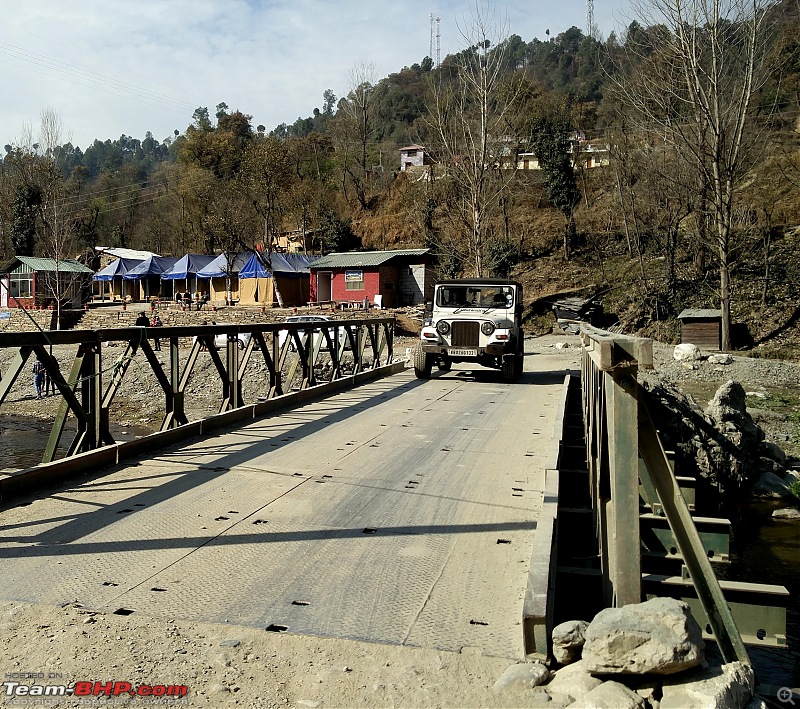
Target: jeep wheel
509 369
423 363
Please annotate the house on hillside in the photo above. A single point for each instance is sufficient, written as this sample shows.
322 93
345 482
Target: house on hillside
413 156
32 282
389 278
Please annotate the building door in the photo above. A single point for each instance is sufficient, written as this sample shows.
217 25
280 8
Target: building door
324 287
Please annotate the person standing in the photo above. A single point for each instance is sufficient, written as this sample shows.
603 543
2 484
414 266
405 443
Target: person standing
49 381
38 377
156 323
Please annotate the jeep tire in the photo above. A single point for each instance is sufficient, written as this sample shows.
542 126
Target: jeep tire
423 363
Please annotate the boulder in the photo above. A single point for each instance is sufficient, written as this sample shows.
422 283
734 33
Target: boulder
573 680
722 358
718 687
768 465
568 639
658 636
525 675
771 485
612 695
686 352
792 477
774 451
786 513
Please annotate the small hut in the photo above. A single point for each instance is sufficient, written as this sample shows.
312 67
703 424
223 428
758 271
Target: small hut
702 327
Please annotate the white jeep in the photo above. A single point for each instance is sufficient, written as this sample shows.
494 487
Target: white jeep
473 320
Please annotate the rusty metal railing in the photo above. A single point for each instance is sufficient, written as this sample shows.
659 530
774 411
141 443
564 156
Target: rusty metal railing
618 433
349 348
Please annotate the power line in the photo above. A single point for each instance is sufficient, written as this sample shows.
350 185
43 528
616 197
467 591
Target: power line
54 68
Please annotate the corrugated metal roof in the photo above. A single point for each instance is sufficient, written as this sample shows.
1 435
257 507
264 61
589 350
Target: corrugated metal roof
48 264
361 259
699 313
120 252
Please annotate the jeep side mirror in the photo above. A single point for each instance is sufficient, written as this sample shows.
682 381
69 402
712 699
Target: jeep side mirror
429 307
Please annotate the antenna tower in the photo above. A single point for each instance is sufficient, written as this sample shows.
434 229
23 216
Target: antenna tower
435 49
430 51
590 18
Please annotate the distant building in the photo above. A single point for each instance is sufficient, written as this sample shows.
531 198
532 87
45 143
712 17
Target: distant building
400 277
413 156
28 282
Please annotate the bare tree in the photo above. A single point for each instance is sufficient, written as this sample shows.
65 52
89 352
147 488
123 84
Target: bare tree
353 130
469 113
56 239
699 64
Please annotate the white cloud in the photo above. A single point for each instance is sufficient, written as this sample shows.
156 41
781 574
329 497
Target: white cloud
109 67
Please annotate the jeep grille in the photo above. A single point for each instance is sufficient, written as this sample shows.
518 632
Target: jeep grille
465 334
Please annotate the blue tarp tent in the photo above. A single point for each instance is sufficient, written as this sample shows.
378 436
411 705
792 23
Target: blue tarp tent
287 265
220 286
218 268
148 274
151 266
187 266
115 270
291 278
253 269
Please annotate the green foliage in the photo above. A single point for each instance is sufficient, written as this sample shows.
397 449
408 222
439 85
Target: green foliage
794 488
25 211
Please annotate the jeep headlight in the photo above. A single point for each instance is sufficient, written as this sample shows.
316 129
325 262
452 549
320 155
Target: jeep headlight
443 327
487 328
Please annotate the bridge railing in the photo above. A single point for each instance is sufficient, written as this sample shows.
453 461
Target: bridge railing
619 432
291 352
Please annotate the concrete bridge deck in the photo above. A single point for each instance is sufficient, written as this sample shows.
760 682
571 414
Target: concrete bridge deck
398 512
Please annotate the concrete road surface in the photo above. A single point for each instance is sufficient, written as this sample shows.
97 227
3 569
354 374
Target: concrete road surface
399 512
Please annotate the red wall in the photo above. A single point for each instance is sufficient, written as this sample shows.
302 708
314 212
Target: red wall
371 286
338 290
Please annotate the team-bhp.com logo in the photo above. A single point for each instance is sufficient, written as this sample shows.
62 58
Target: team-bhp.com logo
94 689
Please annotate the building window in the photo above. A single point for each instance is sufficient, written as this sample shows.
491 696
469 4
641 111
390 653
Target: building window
354 280
21 285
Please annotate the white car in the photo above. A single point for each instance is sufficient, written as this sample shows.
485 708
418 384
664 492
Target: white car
221 340
317 335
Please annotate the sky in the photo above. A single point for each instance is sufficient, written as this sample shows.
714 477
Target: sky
108 68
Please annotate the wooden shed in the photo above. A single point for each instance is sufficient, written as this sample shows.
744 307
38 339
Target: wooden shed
702 327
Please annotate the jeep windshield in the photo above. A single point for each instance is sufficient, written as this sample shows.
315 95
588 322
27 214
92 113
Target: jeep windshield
477 296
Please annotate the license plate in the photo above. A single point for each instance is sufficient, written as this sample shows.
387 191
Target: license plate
455 352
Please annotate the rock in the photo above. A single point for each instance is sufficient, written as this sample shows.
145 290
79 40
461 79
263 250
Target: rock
722 358
774 451
611 695
561 345
525 675
568 639
658 636
792 476
786 513
686 352
771 485
573 680
768 465
718 687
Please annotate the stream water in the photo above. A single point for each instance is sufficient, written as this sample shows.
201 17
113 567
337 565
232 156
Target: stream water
766 550
23 440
